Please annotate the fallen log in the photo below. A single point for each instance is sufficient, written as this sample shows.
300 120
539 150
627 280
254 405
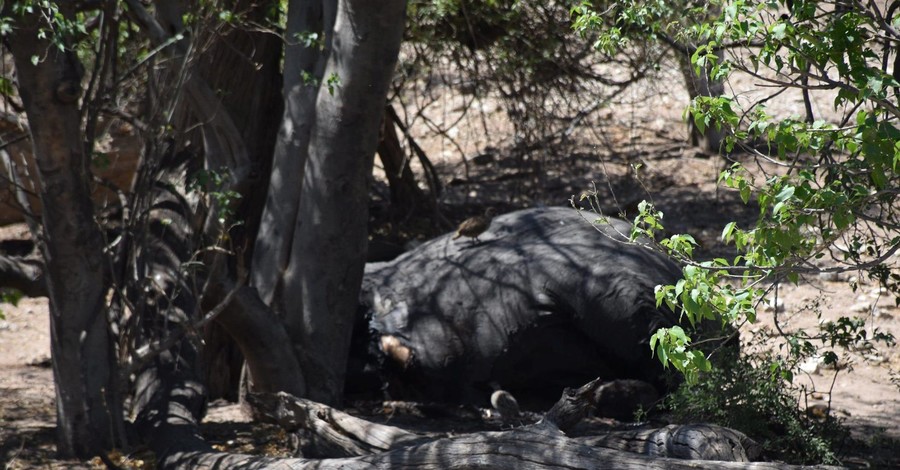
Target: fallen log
537 447
339 434
687 441
334 433
364 444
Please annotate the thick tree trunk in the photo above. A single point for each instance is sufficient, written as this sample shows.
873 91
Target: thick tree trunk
263 341
310 253
261 337
83 364
333 433
532 448
328 254
303 64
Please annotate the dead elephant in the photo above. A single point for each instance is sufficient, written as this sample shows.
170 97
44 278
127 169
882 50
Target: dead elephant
543 301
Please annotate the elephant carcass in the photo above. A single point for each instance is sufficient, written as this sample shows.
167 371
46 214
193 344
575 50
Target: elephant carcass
543 301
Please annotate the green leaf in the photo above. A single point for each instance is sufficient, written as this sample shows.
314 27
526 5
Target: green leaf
879 179
778 31
745 192
786 193
728 230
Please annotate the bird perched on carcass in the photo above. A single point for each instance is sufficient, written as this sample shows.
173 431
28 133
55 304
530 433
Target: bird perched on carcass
475 226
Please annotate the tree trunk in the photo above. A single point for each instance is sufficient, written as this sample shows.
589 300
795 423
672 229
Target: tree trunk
311 250
329 246
405 193
532 448
261 337
302 65
83 364
245 65
333 433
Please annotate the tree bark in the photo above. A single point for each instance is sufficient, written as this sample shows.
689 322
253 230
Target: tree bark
302 65
309 257
83 364
329 246
690 442
263 341
371 445
405 193
245 65
533 448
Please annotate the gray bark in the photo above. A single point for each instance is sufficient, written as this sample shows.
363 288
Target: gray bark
263 341
690 442
273 247
543 445
261 337
533 448
318 288
336 434
308 258
83 365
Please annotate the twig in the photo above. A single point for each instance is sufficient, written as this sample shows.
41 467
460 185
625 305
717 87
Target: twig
14 140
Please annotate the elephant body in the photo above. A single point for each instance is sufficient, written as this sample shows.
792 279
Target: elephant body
544 300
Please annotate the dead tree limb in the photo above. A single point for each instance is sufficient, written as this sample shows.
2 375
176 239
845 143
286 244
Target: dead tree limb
689 442
363 444
24 274
335 433
572 407
532 447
